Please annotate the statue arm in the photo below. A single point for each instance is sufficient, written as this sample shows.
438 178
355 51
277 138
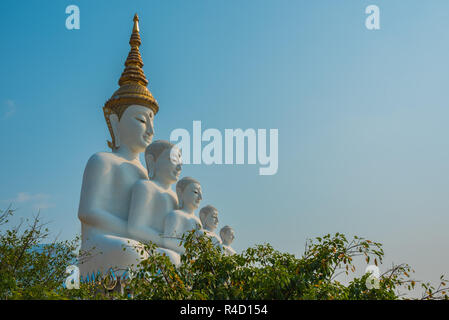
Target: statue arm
139 211
91 210
171 226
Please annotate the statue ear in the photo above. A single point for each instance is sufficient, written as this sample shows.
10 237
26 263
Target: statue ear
151 165
113 118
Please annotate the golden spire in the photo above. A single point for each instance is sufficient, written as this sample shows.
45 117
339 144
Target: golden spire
133 65
133 84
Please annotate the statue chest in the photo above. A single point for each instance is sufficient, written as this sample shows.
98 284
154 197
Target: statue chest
163 203
124 176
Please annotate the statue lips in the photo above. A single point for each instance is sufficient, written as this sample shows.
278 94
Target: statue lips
175 174
147 138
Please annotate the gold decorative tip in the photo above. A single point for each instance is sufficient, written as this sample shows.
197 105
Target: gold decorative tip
136 23
133 71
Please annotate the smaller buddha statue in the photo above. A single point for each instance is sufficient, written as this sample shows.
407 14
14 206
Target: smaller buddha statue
227 237
209 220
152 199
179 222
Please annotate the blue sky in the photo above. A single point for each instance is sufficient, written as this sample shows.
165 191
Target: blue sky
362 115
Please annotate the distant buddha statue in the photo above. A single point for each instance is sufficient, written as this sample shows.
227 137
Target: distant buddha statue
181 221
109 176
152 199
209 220
227 236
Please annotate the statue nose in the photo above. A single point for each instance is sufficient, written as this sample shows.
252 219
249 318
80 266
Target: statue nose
150 130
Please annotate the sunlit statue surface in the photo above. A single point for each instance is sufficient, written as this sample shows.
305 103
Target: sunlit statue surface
109 176
152 199
227 237
209 221
181 221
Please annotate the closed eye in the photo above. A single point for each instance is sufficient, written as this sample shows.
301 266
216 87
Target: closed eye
141 120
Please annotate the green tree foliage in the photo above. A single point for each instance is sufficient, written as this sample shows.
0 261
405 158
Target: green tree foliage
28 268
260 272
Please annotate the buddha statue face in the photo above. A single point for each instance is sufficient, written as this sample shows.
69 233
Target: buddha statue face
192 196
134 129
227 235
211 220
169 164
164 162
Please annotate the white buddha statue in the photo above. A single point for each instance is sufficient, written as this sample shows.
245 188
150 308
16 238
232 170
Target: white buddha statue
181 221
209 220
227 236
152 199
109 176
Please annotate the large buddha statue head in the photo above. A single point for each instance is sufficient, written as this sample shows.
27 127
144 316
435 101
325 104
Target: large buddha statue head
129 113
164 162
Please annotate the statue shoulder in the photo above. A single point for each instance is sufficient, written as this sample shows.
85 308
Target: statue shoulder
197 221
173 195
144 185
98 165
174 215
101 160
